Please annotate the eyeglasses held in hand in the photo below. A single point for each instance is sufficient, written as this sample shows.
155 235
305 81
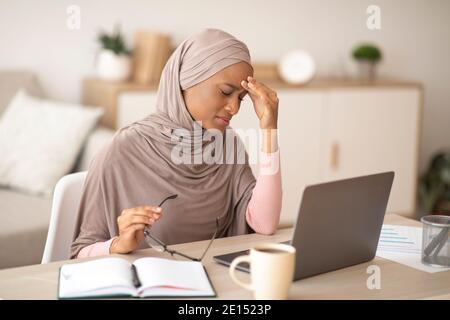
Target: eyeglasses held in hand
160 246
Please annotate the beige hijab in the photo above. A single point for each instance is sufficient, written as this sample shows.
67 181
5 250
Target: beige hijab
136 169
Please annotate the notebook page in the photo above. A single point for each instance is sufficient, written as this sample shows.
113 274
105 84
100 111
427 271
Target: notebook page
182 276
103 276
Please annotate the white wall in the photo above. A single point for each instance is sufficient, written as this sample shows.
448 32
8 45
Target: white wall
414 36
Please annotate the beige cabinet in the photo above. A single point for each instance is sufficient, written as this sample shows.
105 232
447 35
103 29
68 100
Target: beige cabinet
373 130
327 132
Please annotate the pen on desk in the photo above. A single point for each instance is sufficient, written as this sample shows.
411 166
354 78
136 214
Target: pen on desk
136 281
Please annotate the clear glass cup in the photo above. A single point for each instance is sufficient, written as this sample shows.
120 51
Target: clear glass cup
436 241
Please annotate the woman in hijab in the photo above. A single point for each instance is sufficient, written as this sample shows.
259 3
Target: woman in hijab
203 83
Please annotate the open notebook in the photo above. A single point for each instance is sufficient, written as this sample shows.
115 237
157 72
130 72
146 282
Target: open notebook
150 277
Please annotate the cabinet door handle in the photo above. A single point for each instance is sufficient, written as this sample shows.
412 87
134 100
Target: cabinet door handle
334 159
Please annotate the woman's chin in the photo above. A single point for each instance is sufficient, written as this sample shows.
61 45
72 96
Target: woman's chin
215 125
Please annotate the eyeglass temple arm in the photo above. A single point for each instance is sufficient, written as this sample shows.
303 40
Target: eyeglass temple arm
167 198
211 241
172 252
147 233
162 202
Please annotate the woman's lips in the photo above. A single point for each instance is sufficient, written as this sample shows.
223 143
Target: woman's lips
223 121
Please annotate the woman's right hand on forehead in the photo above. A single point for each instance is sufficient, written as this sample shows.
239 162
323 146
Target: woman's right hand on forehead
131 223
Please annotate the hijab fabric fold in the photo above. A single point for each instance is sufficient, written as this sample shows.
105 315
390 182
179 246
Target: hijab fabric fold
136 168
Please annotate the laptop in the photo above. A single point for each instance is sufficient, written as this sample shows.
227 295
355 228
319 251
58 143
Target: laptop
338 225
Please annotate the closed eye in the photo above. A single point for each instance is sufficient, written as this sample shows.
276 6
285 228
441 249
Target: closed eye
230 93
226 93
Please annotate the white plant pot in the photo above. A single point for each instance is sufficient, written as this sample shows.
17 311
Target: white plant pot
112 67
367 70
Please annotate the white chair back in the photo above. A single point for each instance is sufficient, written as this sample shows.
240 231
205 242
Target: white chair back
64 215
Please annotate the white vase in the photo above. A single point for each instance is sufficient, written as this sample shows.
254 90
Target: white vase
367 71
113 67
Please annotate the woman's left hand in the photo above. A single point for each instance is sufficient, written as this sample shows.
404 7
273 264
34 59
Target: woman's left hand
265 102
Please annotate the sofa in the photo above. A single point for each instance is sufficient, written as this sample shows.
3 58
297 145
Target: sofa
24 218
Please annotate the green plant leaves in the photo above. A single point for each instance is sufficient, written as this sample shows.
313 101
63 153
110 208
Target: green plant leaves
114 42
434 185
367 52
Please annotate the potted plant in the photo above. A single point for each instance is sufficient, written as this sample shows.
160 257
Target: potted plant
113 60
367 56
434 186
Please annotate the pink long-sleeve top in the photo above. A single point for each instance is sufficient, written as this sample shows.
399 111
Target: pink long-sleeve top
263 210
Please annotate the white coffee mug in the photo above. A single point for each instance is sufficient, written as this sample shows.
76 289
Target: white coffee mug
272 268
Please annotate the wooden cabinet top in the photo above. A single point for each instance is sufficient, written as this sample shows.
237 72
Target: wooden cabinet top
315 84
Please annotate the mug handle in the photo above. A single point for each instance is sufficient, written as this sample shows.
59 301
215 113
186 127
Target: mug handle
232 269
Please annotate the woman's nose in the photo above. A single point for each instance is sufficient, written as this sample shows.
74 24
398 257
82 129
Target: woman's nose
232 107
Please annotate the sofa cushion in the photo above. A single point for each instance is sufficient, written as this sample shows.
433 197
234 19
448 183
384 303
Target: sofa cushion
24 221
40 141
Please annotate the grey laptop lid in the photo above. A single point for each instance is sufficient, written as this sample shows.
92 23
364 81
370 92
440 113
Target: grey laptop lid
338 224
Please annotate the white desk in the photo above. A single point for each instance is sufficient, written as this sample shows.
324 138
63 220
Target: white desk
397 281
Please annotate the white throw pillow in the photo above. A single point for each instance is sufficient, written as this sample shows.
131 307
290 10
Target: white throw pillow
40 141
